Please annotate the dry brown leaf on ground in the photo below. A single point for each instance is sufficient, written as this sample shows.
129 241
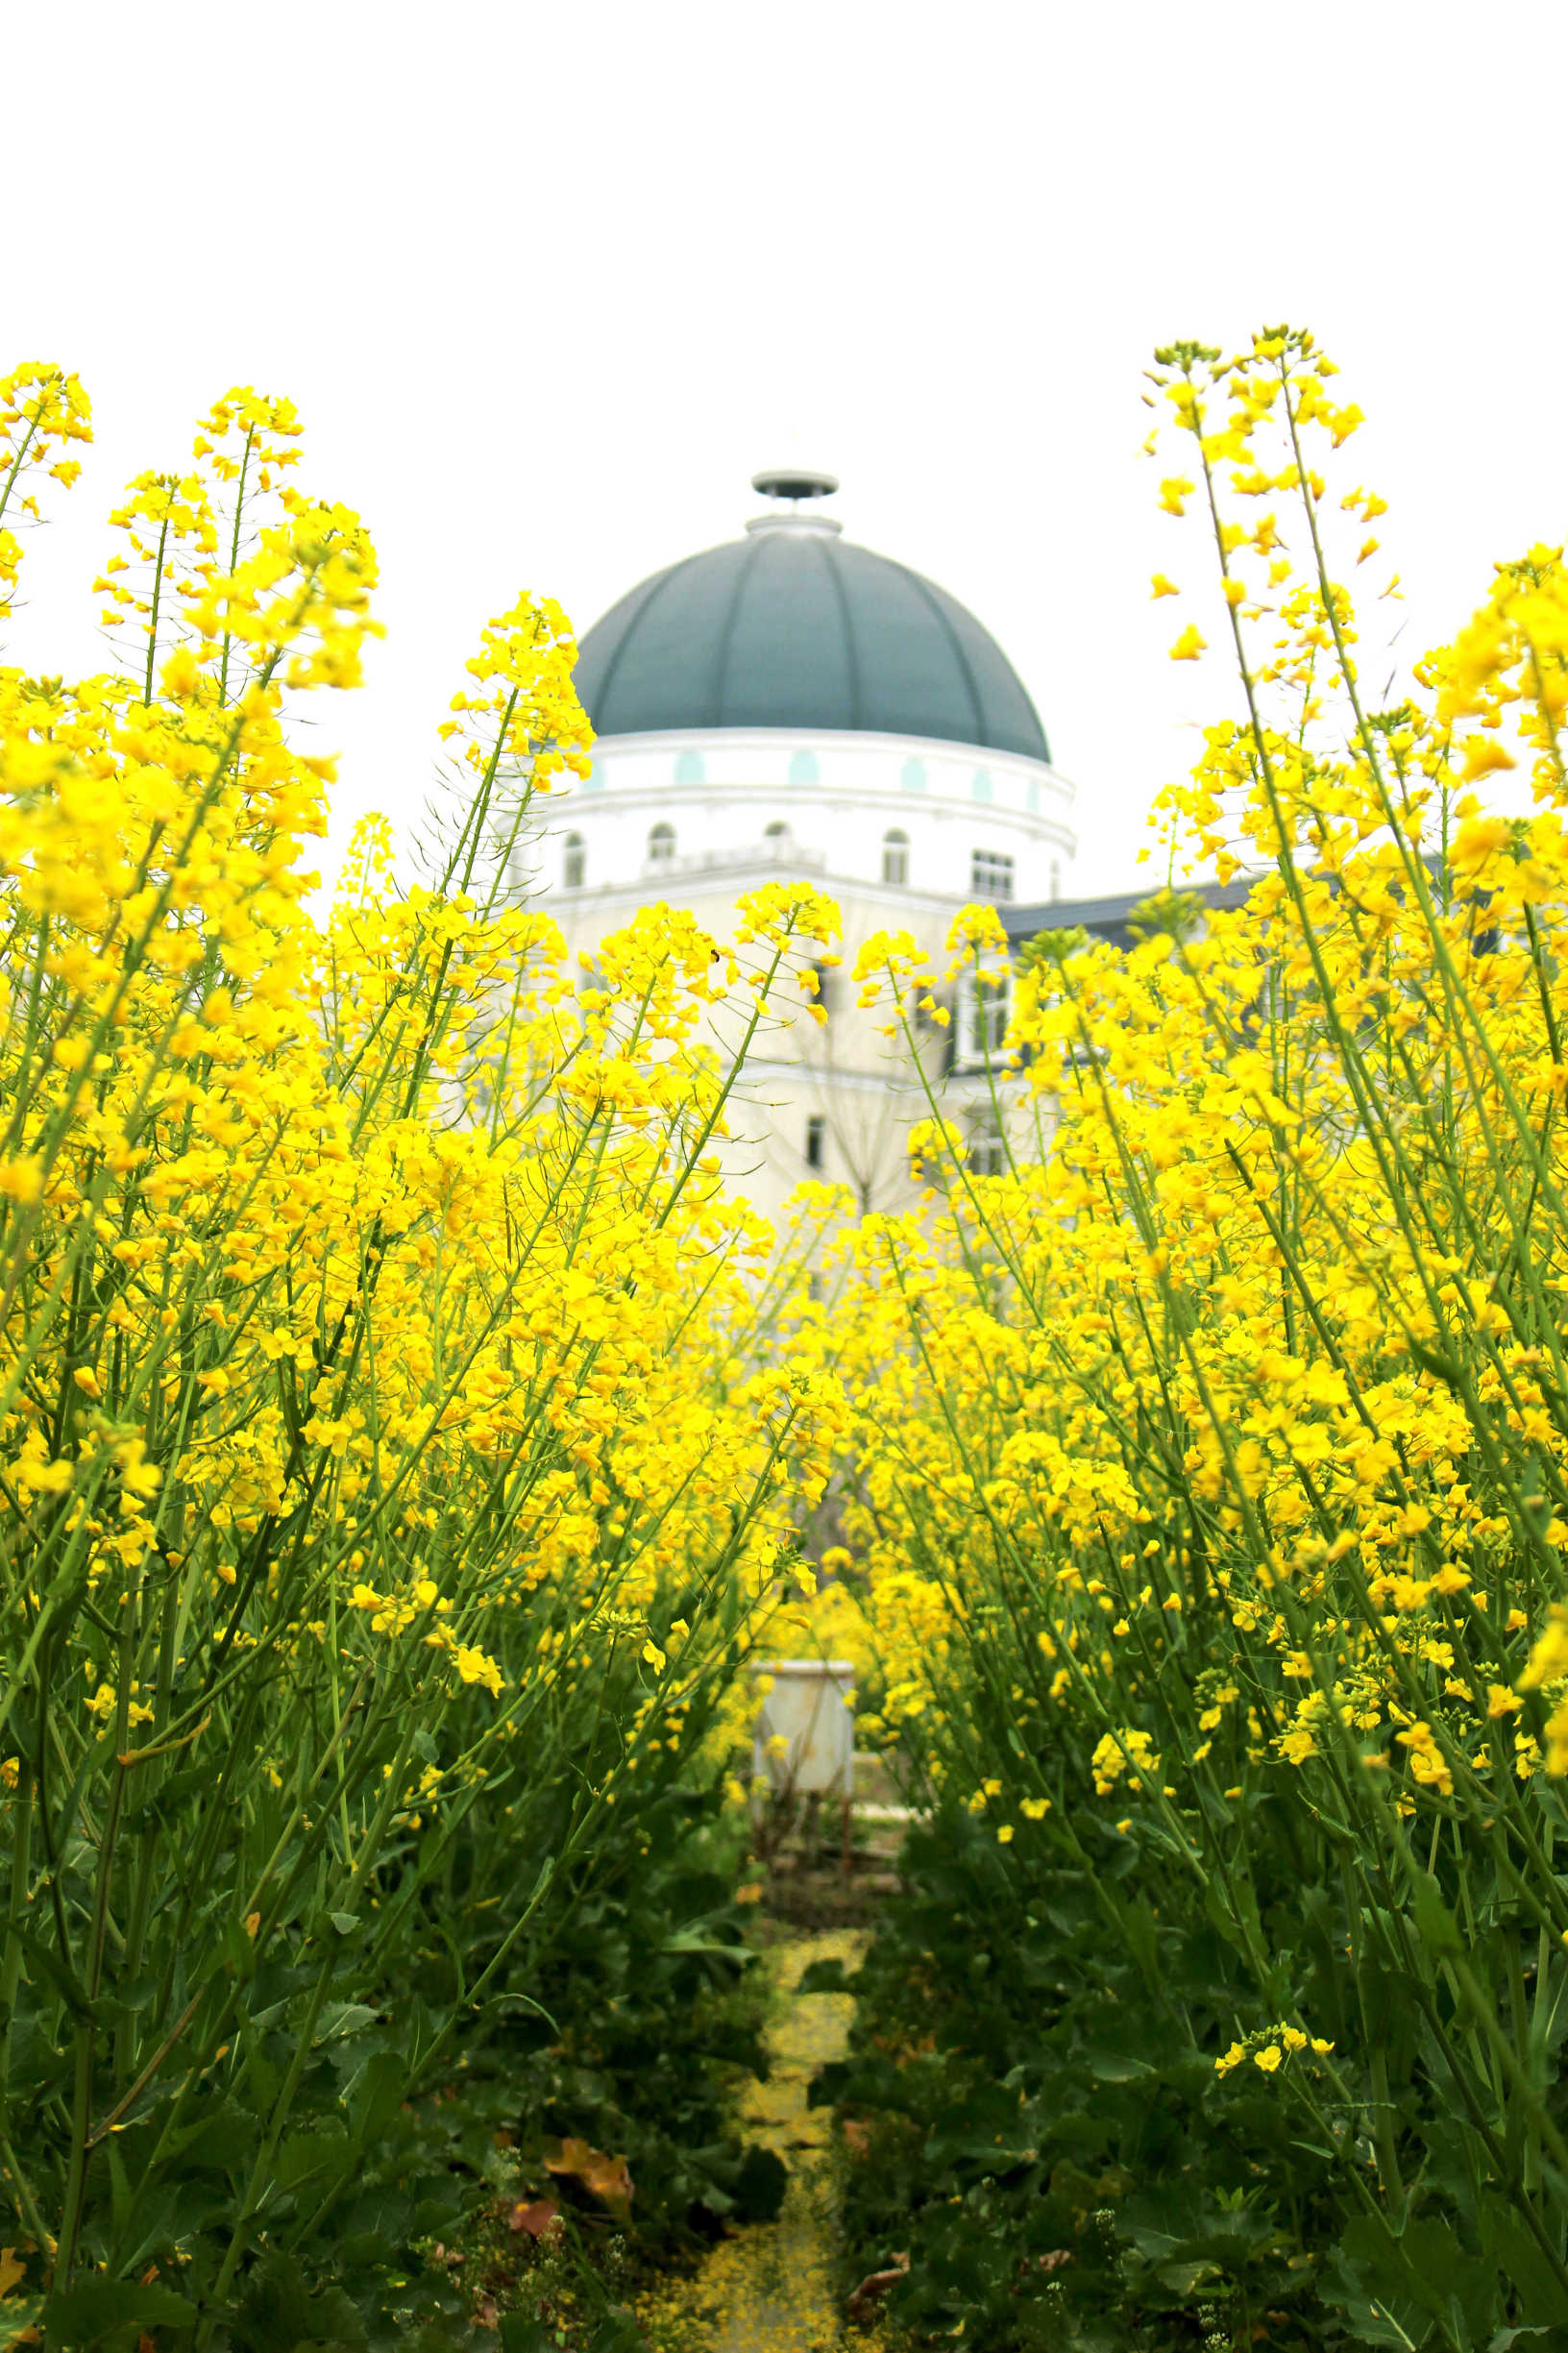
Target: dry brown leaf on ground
606 2178
536 2218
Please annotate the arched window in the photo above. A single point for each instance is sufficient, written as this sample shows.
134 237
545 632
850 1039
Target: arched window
691 768
574 862
777 831
894 856
661 845
596 780
804 767
912 775
980 787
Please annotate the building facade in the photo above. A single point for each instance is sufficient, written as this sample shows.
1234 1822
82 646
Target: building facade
791 706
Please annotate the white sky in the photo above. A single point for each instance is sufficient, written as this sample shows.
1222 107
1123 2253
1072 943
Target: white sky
548 285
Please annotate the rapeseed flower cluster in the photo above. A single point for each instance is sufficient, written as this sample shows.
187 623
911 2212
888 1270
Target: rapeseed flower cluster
1271 2047
1207 1488
379 1452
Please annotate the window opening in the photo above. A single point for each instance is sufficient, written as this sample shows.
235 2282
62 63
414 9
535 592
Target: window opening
982 1007
661 845
691 768
894 856
815 1140
574 862
988 1151
912 775
804 767
990 873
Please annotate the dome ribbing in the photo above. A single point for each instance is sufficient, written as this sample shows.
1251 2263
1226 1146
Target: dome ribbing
792 627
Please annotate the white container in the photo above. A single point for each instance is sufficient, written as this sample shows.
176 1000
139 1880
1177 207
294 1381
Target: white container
805 1739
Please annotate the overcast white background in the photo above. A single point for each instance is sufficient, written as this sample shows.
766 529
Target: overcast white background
548 284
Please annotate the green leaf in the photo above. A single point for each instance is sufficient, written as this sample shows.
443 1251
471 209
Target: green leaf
217 2142
618 2332
374 2095
121 2196
1182 2278
344 2018
1107 2064
126 2001
1438 1929
279 2313
99 2311
302 2154
1137 1927
1422 2270
60 1977
519 2334
1512 2246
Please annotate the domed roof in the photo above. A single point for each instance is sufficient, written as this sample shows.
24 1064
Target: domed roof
792 627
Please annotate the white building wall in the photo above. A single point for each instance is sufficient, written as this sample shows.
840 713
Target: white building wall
838 795
862 1091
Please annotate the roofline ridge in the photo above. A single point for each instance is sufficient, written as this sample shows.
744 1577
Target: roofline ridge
727 636
656 583
929 591
935 589
829 549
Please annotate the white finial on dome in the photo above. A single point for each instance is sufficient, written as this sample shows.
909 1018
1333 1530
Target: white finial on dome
793 486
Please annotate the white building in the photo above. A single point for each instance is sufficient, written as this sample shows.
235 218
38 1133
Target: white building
790 705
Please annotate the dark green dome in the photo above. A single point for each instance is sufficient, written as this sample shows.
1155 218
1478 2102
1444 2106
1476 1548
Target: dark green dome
791 628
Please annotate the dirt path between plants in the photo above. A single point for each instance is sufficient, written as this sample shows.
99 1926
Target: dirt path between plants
773 2288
